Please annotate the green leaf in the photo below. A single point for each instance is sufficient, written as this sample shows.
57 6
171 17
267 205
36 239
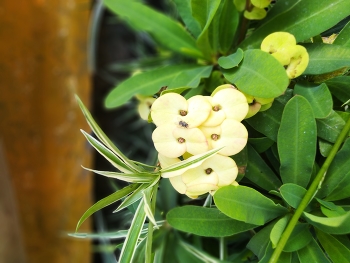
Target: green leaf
329 209
278 230
296 142
150 82
324 58
330 127
107 154
260 173
293 194
259 75
232 60
303 19
260 144
129 165
204 11
147 196
130 243
106 202
312 253
336 185
335 249
227 26
192 162
132 178
185 10
325 147
319 98
340 87
166 31
343 39
300 237
268 122
246 204
260 240
132 198
283 258
332 225
203 221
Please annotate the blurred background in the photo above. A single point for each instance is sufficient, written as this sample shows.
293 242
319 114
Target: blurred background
51 50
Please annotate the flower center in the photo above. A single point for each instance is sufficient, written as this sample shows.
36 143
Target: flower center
183 112
181 140
215 137
216 108
208 171
183 124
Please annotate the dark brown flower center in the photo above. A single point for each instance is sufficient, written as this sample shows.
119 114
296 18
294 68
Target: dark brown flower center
208 171
181 140
215 137
183 112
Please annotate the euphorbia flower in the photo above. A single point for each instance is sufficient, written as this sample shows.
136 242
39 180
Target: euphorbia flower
215 172
227 103
172 141
144 106
231 134
172 108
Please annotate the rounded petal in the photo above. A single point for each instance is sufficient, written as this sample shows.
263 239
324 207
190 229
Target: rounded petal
178 184
265 106
233 136
195 140
224 167
264 101
144 107
198 111
298 62
216 117
166 109
232 102
277 40
255 14
166 143
203 182
208 131
253 109
166 161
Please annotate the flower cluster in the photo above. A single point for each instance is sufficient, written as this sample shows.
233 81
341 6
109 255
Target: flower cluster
194 126
255 10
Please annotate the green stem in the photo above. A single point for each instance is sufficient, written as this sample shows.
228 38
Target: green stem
223 250
309 194
148 251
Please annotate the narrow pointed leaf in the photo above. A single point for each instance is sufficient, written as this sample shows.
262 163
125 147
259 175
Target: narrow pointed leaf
259 242
185 10
319 98
246 204
324 58
132 178
106 202
332 225
296 142
103 137
130 243
166 31
203 221
132 198
259 75
147 196
149 83
303 19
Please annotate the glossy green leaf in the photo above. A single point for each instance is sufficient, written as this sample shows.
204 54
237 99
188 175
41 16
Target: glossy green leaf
259 75
107 154
329 209
129 165
292 194
232 60
336 185
132 178
203 221
278 230
246 204
330 127
268 122
332 225
183 254
130 243
283 258
258 243
185 10
150 82
300 237
325 147
335 249
260 144
259 172
204 11
319 98
340 87
343 39
166 31
106 202
324 58
296 142
312 253
132 198
228 24
303 19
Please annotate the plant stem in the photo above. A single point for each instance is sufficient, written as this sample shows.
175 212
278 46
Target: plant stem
316 184
222 248
148 251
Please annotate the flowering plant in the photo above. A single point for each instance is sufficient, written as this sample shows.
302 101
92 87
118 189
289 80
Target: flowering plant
253 125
